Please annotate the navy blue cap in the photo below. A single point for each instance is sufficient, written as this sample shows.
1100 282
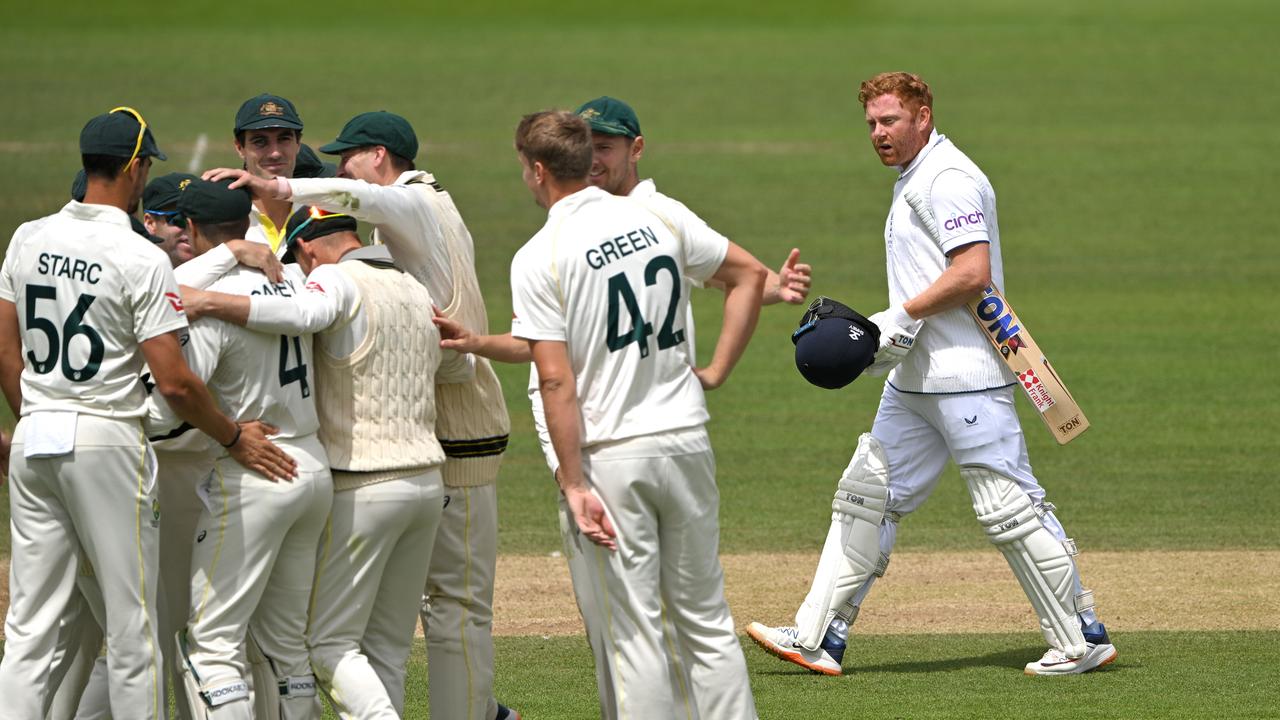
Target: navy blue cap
834 344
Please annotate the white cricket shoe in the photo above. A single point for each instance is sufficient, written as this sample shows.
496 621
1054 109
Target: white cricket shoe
1099 652
784 642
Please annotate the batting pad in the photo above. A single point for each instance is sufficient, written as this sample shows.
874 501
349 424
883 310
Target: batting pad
852 549
1039 560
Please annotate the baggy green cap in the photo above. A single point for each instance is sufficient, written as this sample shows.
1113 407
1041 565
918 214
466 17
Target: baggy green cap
309 165
163 192
376 128
210 202
610 116
267 111
116 134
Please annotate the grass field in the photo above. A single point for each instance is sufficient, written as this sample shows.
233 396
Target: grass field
1131 146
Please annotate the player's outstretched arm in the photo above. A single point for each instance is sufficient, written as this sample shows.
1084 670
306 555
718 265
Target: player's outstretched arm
11 357
743 278
501 348
560 404
189 398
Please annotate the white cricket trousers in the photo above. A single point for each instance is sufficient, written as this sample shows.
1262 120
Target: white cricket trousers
661 495
99 499
371 567
252 567
457 605
83 694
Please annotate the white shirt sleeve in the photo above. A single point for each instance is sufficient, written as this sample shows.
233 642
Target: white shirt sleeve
535 298
956 200
704 248
157 306
327 296
201 272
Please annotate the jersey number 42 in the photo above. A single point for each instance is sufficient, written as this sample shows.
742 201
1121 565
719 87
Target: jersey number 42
621 294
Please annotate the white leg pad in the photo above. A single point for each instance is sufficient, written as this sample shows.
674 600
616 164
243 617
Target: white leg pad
851 553
1039 560
206 702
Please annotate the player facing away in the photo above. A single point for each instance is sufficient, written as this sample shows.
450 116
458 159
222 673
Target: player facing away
254 558
951 397
97 300
378 362
597 294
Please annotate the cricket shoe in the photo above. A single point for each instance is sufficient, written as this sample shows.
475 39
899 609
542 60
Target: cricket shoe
506 713
1099 651
784 643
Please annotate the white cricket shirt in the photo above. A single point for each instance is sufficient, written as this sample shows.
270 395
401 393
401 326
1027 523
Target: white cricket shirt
88 291
645 191
608 277
951 354
257 376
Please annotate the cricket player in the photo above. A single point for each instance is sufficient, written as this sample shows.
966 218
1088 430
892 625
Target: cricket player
377 361
268 137
949 396
617 146
162 220
254 558
625 411
98 300
415 217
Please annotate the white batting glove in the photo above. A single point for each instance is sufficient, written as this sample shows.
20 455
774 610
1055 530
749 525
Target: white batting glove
897 336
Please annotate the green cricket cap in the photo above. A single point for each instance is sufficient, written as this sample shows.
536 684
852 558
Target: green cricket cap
267 111
141 229
162 192
119 133
80 186
376 128
610 116
214 202
309 223
309 165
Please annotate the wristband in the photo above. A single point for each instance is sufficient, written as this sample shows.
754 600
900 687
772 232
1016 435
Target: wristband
235 439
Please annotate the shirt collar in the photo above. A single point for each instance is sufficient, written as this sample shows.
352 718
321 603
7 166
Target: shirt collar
644 188
375 253
935 139
409 175
570 202
98 213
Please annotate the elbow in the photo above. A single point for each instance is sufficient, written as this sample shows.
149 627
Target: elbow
178 392
979 280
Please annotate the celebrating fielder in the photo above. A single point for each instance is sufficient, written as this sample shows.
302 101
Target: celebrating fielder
950 397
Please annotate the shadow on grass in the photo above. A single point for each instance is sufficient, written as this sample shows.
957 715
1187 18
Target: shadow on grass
1015 658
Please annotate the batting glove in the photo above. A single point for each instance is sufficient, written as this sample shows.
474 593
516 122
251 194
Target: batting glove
897 336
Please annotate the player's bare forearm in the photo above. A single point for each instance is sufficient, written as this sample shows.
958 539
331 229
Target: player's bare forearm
459 338
743 277
967 274
559 392
11 356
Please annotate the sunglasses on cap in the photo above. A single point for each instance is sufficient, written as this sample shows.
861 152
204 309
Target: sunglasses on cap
314 215
142 130
171 217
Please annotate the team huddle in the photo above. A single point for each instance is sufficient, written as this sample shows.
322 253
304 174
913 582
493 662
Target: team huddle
254 450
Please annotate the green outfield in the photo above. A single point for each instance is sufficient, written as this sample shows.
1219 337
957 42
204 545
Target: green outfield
1132 148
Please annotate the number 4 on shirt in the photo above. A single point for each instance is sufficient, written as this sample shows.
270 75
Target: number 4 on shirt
621 294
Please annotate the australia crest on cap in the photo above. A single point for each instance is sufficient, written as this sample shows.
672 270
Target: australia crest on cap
271 107
184 183
589 113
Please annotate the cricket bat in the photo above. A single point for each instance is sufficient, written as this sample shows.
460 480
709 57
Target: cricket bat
1018 349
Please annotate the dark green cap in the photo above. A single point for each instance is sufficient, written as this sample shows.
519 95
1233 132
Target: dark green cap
210 202
309 165
163 192
309 223
79 186
610 116
267 111
115 134
376 128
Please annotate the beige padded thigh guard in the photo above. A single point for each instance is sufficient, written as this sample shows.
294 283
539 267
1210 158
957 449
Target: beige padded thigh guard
851 552
1039 560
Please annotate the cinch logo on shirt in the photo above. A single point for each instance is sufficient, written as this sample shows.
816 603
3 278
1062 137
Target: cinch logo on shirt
960 221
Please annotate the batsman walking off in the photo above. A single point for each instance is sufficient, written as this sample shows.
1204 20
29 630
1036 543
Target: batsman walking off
951 397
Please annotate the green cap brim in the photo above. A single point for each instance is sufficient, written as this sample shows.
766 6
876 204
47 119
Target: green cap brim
270 123
608 128
337 147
